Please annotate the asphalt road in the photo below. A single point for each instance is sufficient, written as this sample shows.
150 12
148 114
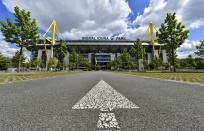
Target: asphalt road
56 104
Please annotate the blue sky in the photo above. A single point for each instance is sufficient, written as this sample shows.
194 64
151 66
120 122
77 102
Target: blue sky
109 17
4 12
197 34
137 7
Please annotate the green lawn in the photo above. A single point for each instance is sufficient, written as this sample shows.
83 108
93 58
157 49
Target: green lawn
4 77
189 77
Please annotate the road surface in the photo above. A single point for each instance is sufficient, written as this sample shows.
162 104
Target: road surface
96 101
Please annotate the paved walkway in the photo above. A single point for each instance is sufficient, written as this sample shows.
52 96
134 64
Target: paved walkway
101 101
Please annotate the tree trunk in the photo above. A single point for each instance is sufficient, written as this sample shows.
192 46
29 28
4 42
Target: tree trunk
174 68
173 60
61 65
19 61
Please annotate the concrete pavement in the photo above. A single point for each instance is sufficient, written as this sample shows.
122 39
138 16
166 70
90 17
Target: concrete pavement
47 104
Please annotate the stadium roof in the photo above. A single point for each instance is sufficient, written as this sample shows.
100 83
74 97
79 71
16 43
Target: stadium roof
99 42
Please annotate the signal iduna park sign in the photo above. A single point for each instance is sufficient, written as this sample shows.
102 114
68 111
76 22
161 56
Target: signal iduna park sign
103 38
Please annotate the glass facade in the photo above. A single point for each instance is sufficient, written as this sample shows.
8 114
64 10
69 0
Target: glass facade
85 56
103 58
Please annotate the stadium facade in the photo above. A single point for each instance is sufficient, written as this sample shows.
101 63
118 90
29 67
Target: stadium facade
100 50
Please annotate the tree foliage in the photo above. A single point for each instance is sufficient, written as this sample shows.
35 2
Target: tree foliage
200 49
137 50
23 31
35 63
4 62
116 63
77 61
125 57
83 62
52 64
190 62
16 58
173 34
74 60
155 63
60 53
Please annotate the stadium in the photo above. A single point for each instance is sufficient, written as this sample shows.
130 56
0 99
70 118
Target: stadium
100 50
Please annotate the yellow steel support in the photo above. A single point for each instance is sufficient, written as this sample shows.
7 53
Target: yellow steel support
54 31
151 30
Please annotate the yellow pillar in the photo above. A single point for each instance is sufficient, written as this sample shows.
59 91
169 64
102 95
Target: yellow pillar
151 29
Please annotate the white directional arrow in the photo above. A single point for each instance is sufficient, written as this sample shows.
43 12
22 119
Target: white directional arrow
102 96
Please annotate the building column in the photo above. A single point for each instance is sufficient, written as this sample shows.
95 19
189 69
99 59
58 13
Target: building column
49 53
149 58
39 55
141 65
156 53
112 56
118 54
89 57
66 60
164 56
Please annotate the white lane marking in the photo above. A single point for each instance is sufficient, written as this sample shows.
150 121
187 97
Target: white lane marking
107 120
102 96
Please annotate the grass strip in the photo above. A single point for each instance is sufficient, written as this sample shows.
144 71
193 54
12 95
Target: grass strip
34 75
188 77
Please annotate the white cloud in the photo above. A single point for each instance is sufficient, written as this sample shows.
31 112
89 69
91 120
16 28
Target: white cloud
6 50
89 15
188 48
133 34
77 18
190 12
1 36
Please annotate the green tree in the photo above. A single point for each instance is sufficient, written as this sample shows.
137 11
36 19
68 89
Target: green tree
52 64
199 63
181 63
74 60
173 34
83 62
133 64
16 58
156 63
35 63
200 49
23 31
125 57
4 62
116 63
60 52
137 50
26 65
190 61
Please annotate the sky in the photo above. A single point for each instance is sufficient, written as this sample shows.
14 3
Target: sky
127 18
